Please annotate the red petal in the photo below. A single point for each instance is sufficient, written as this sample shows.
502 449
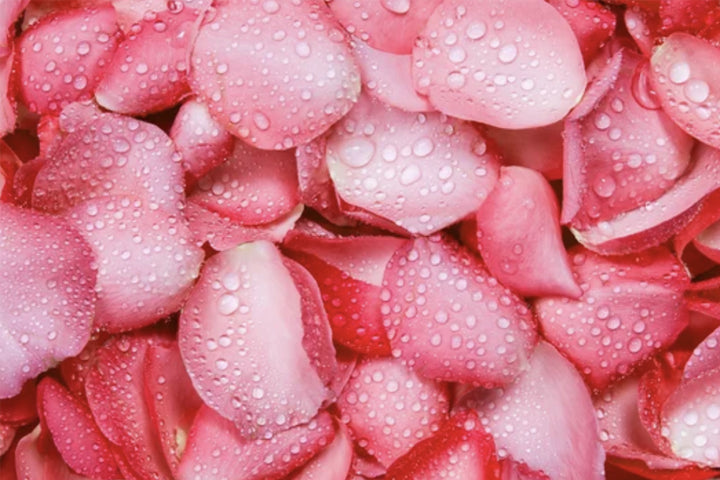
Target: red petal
629 310
252 186
7 435
202 142
459 449
223 233
519 238
565 426
642 25
422 172
8 114
707 215
217 450
515 67
115 393
74 370
705 357
450 320
74 432
593 23
388 77
171 400
387 25
314 81
349 273
241 337
389 408
149 71
333 463
20 409
62 57
687 15
9 163
145 259
107 154
47 286
625 154
685 72
37 458
656 221
538 148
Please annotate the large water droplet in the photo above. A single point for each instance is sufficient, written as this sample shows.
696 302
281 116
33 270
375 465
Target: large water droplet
357 152
400 7
679 72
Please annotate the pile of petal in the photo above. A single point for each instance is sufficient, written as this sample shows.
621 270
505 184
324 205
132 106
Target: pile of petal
359 240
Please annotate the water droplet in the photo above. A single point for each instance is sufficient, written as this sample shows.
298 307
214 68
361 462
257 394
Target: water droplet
697 91
508 53
456 80
602 121
228 304
271 6
604 186
302 49
410 175
120 145
400 7
357 152
423 147
261 121
679 72
476 30
83 48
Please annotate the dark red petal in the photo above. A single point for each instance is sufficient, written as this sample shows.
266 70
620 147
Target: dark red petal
146 261
62 57
387 25
171 400
47 286
515 67
349 272
20 409
107 154
7 436
625 154
389 408
519 238
202 142
629 310
450 320
149 71
252 186
422 172
288 92
241 337
547 409
75 434
217 450
115 394
685 73
459 449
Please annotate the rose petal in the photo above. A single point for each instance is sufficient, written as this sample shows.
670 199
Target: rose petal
388 408
75 434
452 321
149 71
459 449
513 64
47 284
268 111
566 426
538 148
440 171
217 450
241 337
36 457
519 238
62 57
252 186
629 310
592 23
333 463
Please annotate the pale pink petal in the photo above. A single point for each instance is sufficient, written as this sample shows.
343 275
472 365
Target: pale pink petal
512 64
548 409
241 338
48 302
686 75
449 319
420 171
388 77
538 148
301 80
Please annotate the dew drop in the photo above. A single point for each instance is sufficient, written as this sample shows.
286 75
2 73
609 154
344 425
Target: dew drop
357 152
228 304
508 53
679 72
